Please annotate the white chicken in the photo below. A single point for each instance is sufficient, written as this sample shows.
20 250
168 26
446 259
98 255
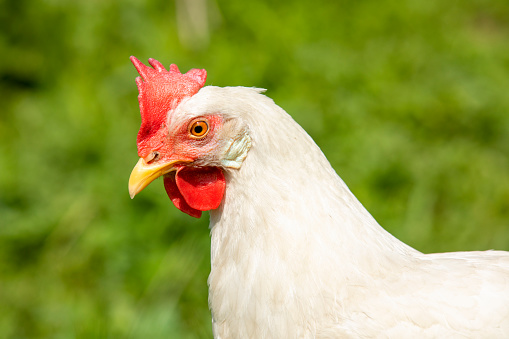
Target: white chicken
294 253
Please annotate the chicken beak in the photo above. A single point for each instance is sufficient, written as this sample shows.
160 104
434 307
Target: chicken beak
143 174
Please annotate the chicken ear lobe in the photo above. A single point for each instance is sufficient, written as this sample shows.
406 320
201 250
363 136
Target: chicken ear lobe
193 190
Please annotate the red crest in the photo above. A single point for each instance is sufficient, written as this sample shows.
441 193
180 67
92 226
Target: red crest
159 92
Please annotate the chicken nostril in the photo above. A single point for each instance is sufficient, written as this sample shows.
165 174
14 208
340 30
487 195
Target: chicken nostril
153 156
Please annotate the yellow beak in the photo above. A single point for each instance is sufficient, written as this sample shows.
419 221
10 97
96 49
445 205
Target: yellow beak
143 174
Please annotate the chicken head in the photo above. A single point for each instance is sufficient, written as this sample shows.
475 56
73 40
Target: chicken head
189 150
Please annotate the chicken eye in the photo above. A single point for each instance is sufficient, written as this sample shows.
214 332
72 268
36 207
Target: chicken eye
199 128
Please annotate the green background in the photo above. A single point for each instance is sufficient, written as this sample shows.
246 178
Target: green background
408 99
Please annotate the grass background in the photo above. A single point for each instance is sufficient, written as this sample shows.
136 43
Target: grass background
408 99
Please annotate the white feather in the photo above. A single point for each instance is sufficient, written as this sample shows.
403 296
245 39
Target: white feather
296 255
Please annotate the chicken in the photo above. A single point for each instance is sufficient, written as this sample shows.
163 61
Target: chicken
293 253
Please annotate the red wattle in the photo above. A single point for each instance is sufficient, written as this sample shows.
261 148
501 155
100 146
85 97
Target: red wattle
193 190
176 197
202 188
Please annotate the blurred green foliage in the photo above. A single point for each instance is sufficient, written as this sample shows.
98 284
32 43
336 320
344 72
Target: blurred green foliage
408 99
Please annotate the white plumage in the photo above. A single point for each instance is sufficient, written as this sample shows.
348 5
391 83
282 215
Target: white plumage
296 255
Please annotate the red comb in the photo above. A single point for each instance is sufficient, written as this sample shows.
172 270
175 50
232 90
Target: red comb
161 91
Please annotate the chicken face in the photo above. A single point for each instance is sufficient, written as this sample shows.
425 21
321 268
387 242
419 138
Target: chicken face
191 187
191 151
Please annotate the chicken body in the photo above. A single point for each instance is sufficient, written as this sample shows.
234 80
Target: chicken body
296 255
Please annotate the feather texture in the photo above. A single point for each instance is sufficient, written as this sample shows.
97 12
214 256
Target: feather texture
296 255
